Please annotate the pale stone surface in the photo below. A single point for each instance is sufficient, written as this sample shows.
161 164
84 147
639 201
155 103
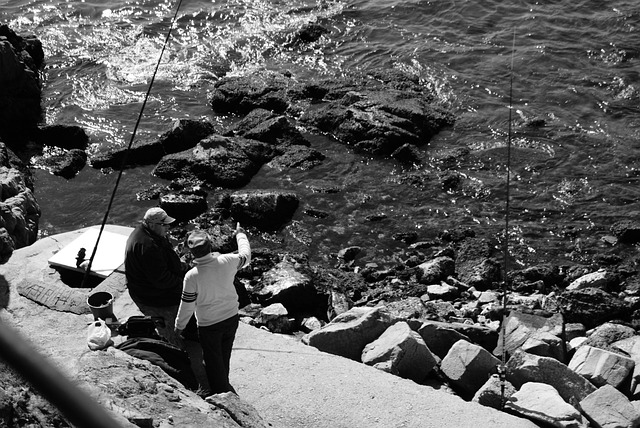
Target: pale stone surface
440 337
608 407
468 366
405 351
594 279
600 366
491 394
520 326
544 344
631 348
523 367
350 332
541 402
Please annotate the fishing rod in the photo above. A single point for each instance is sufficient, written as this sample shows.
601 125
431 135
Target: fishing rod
133 135
502 371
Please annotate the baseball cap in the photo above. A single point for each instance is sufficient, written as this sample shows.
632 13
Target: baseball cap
197 238
158 215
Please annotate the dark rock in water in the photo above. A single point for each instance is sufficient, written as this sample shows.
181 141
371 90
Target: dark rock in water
311 212
309 34
627 231
21 58
264 125
593 306
265 89
66 164
64 136
266 210
183 207
301 157
523 280
217 161
184 135
406 237
474 265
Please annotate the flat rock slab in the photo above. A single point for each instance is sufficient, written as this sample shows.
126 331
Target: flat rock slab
36 280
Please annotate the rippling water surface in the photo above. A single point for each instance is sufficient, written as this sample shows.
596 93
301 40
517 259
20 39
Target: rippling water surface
575 66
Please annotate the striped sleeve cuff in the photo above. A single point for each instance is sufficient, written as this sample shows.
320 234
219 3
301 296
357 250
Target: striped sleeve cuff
189 297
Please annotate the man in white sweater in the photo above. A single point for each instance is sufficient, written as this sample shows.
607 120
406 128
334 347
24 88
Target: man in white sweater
208 291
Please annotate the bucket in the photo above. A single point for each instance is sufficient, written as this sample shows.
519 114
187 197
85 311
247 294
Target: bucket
101 305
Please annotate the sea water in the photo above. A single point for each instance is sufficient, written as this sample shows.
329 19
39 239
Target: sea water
571 66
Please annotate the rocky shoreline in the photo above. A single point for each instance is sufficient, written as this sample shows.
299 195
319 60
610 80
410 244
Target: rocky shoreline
565 325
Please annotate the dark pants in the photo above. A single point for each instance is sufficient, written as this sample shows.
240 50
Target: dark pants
217 341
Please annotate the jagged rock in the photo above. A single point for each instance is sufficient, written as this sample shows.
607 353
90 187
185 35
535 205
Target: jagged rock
520 327
523 280
491 393
404 350
545 344
593 306
373 114
241 94
407 154
339 303
473 264
436 270
573 330
523 367
287 285
600 366
468 366
347 334
20 86
608 407
264 209
19 215
66 164
630 347
627 231
407 309
217 161
603 336
541 402
599 279
440 337
310 324
183 206
269 127
276 318
184 135
301 157
64 136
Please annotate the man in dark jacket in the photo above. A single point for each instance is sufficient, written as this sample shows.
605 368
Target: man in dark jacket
153 269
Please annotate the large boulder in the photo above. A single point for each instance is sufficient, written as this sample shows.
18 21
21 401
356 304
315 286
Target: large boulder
542 403
601 367
593 306
523 367
184 135
217 161
264 209
468 367
631 348
241 94
347 334
608 407
403 350
289 286
440 337
21 58
435 270
521 327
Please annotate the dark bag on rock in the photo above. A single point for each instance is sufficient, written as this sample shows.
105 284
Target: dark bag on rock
173 360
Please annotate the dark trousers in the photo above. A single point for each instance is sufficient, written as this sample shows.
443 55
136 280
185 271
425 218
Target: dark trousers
217 341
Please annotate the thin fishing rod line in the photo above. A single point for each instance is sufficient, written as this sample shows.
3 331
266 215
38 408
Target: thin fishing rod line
503 363
133 135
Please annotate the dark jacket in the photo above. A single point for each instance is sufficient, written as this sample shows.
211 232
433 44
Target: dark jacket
154 271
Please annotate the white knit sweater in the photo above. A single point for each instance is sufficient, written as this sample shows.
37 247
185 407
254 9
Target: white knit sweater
208 286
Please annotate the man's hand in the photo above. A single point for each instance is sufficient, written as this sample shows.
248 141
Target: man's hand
238 229
178 338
